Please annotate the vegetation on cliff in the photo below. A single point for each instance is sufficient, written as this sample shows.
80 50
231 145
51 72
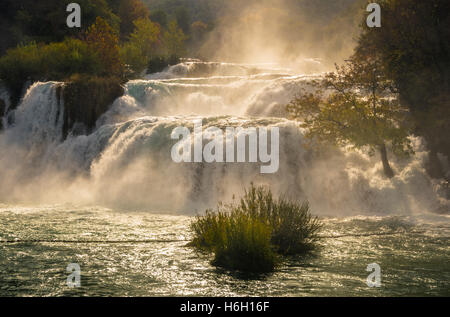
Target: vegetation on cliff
117 41
96 55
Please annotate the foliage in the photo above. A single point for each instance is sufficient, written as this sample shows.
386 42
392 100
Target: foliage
69 57
160 17
174 40
142 46
18 65
183 19
244 244
45 21
148 48
414 49
49 50
360 109
129 12
102 39
95 51
204 10
249 235
54 61
97 54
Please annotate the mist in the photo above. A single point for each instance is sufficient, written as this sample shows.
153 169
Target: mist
308 36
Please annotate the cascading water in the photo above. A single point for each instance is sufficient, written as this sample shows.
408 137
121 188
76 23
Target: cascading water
126 161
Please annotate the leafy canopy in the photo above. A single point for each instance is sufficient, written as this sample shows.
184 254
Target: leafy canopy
414 47
104 40
144 43
174 40
356 105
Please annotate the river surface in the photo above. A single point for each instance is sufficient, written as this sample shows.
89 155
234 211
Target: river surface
413 256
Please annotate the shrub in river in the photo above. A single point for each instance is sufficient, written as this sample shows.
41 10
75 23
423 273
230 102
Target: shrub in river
244 244
250 235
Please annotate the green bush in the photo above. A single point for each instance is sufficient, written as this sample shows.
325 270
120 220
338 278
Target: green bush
96 55
55 61
71 56
19 65
250 235
133 59
244 245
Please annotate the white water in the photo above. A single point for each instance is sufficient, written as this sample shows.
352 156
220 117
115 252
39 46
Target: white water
126 163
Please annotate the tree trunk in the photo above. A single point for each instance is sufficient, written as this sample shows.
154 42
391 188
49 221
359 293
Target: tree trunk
387 168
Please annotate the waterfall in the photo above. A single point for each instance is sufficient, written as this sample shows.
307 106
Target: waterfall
125 162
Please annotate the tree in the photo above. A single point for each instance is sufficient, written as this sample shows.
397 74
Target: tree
183 19
160 17
45 21
414 49
356 105
174 40
130 11
143 44
146 36
101 38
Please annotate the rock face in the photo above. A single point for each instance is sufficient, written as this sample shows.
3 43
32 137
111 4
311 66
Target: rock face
85 100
